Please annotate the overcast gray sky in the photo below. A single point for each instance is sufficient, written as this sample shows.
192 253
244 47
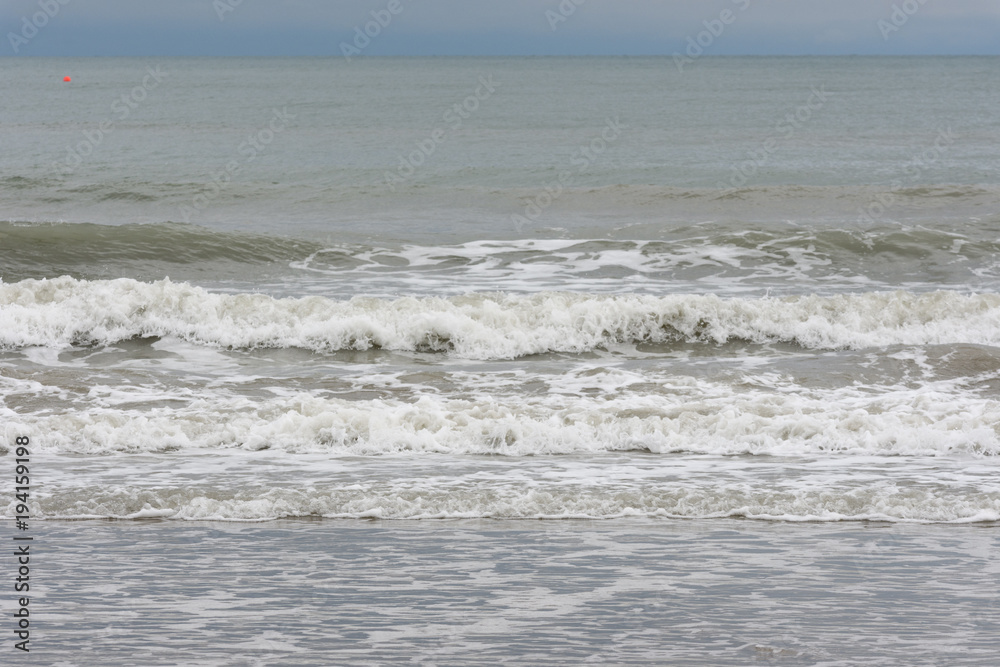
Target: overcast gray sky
497 27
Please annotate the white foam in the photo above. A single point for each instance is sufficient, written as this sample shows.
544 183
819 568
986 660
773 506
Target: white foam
728 259
64 311
531 266
405 500
682 415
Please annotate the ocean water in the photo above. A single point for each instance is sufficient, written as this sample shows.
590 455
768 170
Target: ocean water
574 338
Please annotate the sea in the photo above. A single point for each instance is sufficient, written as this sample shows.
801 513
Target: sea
520 361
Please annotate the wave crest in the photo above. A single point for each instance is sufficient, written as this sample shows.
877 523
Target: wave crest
65 311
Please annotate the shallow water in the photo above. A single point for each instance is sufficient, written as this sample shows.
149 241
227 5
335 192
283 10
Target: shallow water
621 592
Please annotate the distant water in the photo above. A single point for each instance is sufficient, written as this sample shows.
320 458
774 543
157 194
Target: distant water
507 289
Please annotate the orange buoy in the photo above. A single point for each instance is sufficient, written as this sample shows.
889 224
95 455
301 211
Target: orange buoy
67 79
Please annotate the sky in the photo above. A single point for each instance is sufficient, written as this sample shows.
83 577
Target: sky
497 27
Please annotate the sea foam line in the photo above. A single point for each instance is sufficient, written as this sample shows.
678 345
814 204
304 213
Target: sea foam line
711 418
873 502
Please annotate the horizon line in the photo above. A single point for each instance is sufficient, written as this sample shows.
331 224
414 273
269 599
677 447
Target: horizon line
529 55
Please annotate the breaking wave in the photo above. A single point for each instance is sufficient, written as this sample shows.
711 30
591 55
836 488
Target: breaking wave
65 311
